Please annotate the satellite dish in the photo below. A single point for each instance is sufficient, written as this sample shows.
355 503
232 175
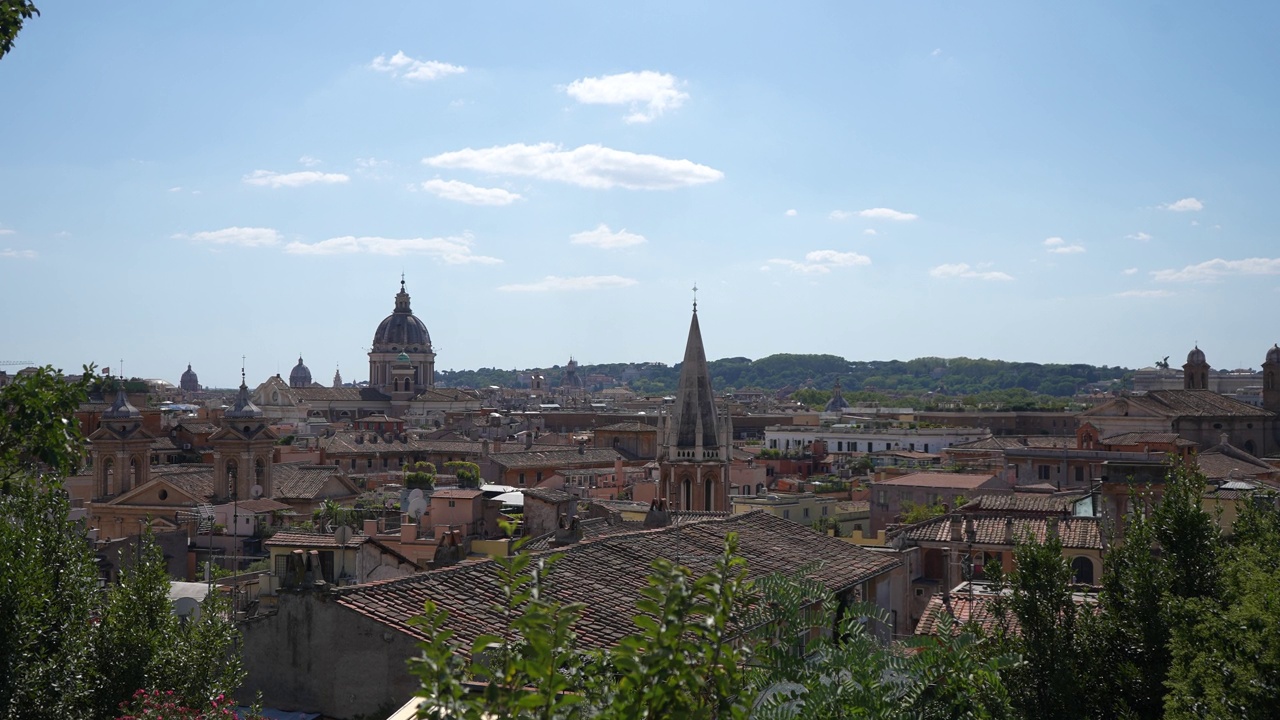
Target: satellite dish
415 494
416 507
256 491
342 535
187 607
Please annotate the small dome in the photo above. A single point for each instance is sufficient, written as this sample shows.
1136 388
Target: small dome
404 358
1273 355
189 381
301 375
1196 356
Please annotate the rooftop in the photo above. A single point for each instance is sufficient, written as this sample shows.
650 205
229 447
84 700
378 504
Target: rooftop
938 480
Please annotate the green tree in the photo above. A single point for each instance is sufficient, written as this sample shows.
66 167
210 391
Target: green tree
12 14
421 476
468 473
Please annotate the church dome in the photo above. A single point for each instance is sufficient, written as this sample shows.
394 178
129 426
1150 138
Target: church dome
301 375
1196 356
189 381
402 330
1273 355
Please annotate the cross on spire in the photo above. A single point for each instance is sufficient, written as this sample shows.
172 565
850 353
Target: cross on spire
695 297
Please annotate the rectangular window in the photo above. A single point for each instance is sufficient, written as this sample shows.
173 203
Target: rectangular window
913 447
282 566
353 463
521 478
538 478
452 503
1079 473
926 447
806 512
1042 472
824 511
326 565
839 446
786 514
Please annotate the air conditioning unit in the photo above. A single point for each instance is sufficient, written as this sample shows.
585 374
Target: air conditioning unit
186 446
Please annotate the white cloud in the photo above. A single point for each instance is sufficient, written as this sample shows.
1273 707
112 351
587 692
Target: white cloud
1130 271
792 212
551 283
294 179
18 254
936 52
1219 268
840 215
886 214
242 236
1059 246
449 250
822 261
371 163
459 191
1185 205
1139 236
7 231
403 66
308 161
175 188
648 93
1143 294
603 237
870 231
963 270
591 166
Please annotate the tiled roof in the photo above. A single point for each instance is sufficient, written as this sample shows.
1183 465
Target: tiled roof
165 444
194 480
197 428
341 394
344 443
261 505
446 395
457 494
936 480
550 495
978 608
628 427
1075 532
312 540
608 574
1145 438
1022 503
591 529
1219 461
541 458
299 480
1009 442
1185 403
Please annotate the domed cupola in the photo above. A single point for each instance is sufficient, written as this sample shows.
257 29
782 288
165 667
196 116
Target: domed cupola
301 375
1196 356
1273 355
1195 374
401 359
189 381
402 330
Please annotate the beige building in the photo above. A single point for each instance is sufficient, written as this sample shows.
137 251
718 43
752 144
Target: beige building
803 508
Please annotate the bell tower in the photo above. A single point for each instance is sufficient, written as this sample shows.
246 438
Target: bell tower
1195 373
1271 380
120 449
242 451
694 457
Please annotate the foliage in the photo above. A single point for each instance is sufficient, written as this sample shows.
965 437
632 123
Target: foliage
812 398
157 705
716 646
331 515
12 14
468 473
913 512
69 650
421 476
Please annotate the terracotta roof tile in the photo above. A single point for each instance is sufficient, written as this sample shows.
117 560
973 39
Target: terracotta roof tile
300 481
1075 532
937 480
608 574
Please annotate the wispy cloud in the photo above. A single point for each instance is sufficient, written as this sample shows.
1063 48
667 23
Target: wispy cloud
18 254
1130 271
309 161
273 179
459 191
449 250
403 66
1139 236
551 283
590 166
887 214
840 215
823 261
870 231
241 236
648 93
603 237
964 270
1060 246
7 231
936 52
791 213
1143 294
1189 204
1218 268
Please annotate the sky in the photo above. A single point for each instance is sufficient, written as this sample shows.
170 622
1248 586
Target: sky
1044 182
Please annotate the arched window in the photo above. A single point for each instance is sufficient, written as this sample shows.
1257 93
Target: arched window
1250 448
259 471
686 494
135 472
1082 570
706 492
108 476
232 470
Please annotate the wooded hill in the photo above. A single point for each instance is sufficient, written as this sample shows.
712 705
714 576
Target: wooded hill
949 376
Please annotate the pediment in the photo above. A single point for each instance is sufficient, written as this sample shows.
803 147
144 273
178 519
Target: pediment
157 493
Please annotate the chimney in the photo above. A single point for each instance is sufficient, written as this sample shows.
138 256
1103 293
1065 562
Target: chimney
1051 527
1224 439
371 527
1008 531
582 447
484 447
528 439
617 470
970 534
955 527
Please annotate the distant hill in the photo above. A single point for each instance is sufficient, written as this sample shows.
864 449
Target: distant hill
950 376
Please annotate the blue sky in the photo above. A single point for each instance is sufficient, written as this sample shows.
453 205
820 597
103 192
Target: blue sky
1091 182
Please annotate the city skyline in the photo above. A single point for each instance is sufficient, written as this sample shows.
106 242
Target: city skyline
1041 184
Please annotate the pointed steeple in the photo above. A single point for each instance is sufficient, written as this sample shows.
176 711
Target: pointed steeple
244 407
337 377
695 422
121 409
402 298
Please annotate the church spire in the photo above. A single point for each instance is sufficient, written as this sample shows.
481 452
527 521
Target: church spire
695 419
402 298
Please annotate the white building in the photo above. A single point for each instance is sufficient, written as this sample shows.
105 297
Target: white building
860 439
